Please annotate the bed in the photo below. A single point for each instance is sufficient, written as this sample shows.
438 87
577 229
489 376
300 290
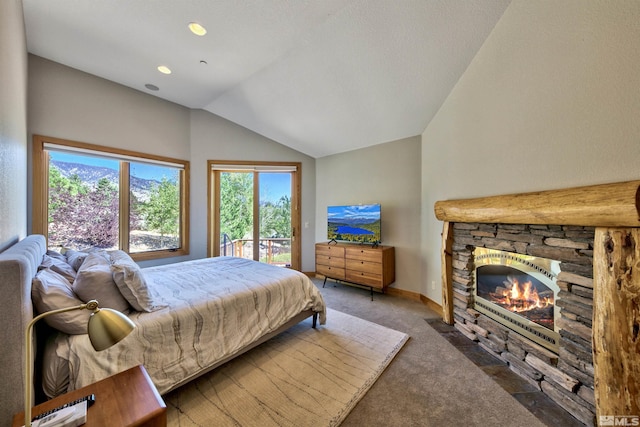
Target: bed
192 317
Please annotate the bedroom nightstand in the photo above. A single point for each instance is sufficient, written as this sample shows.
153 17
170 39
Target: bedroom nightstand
125 399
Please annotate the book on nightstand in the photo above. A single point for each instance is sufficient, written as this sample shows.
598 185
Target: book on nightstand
70 416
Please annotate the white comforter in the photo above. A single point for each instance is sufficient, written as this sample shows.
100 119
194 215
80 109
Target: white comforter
215 306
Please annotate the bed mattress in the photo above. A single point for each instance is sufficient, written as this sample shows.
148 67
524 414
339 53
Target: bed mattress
212 308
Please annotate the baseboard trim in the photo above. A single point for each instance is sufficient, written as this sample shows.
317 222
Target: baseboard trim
396 292
431 304
404 294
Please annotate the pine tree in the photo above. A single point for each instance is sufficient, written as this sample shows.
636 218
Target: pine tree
162 212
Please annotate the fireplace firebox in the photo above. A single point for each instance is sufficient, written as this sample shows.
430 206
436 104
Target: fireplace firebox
520 292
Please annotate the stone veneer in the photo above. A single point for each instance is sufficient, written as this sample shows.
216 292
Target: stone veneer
568 377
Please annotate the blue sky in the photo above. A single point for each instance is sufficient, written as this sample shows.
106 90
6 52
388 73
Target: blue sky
86 160
140 170
354 211
274 185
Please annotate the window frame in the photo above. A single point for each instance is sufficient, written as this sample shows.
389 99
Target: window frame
215 167
40 200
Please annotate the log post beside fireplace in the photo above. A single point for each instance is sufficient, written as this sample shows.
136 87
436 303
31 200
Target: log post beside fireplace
614 209
617 320
447 286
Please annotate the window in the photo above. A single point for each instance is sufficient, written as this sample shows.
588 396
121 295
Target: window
255 211
92 196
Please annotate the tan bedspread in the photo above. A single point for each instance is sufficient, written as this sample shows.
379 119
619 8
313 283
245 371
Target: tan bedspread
215 306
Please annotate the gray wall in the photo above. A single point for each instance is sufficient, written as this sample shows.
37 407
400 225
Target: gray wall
214 138
13 124
551 100
388 174
70 104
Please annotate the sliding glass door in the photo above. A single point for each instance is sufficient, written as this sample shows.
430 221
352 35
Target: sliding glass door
255 212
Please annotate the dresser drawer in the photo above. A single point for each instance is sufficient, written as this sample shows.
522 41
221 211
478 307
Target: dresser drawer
333 272
369 254
364 266
328 250
364 278
330 260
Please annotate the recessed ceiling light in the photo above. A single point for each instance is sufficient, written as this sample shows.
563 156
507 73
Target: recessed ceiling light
151 87
197 29
164 69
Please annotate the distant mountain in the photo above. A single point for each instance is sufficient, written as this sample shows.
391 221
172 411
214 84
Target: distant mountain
92 174
353 220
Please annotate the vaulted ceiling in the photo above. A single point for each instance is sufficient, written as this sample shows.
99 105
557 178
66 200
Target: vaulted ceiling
320 76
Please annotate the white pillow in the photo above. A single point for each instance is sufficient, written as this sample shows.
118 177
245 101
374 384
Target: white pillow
95 281
131 282
51 291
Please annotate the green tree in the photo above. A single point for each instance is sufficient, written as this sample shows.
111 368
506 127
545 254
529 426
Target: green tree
162 212
60 187
275 219
236 200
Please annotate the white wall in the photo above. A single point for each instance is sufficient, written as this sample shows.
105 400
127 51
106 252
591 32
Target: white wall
551 100
215 138
13 123
388 174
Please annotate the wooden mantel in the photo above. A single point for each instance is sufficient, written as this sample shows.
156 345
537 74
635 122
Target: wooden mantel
614 211
606 205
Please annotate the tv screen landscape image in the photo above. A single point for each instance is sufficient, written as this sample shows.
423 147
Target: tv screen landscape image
354 223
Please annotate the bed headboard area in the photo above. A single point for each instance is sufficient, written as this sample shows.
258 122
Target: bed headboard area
18 265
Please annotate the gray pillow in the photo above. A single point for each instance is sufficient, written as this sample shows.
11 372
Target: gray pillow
56 254
51 291
60 266
131 282
95 281
75 258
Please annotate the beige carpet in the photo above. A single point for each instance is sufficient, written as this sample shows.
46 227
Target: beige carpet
302 377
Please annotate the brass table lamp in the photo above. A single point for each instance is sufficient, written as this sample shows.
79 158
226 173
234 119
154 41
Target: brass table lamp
106 327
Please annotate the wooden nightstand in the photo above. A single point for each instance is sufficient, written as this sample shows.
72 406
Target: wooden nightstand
125 399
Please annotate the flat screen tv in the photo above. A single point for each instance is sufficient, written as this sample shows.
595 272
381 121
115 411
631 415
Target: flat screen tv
354 223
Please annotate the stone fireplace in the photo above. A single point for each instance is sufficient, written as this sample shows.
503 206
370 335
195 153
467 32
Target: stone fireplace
594 232
549 345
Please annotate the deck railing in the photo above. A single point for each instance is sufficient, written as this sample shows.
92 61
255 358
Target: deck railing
274 251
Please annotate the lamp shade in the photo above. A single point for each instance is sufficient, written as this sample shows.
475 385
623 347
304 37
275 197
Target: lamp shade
107 327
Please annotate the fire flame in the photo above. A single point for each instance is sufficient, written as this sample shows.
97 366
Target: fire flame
523 297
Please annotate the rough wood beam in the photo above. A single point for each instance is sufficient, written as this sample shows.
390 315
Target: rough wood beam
605 205
447 273
616 321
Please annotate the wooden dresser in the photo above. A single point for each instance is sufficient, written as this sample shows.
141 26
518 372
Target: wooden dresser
360 264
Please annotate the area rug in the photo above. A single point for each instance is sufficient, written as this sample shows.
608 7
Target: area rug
302 377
